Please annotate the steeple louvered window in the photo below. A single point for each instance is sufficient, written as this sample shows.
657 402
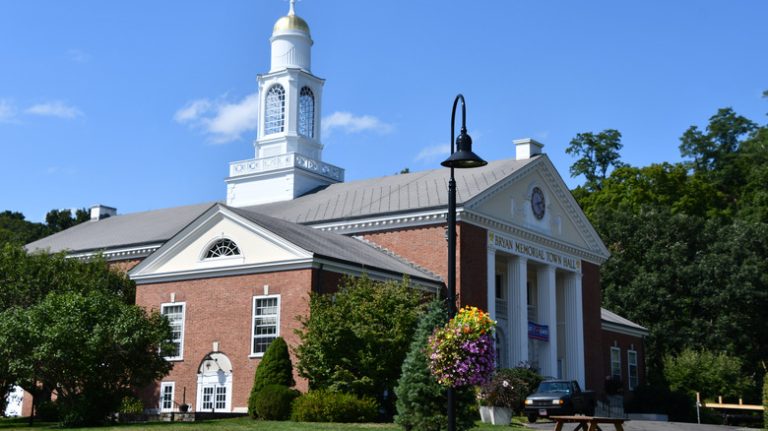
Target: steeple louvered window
307 112
274 118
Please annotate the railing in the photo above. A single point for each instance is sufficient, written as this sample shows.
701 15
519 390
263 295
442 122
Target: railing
290 160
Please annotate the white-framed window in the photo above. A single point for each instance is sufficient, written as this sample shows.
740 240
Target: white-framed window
500 286
306 112
616 362
274 115
223 247
632 369
266 322
174 312
166 396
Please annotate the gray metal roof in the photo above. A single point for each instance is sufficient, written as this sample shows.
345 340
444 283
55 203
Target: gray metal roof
335 246
611 317
364 198
143 228
389 195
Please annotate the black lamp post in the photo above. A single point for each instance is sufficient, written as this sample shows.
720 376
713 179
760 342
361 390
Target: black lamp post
461 157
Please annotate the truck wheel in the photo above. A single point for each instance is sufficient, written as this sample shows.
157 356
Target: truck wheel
591 410
532 418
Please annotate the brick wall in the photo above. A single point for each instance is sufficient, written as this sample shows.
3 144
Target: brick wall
124 265
426 246
472 274
591 298
220 310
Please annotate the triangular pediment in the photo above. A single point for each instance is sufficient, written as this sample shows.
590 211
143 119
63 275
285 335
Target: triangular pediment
513 204
186 254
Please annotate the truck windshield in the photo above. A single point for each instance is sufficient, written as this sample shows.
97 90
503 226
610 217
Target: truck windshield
561 387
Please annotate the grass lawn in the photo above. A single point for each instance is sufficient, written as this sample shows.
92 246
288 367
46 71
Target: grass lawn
235 425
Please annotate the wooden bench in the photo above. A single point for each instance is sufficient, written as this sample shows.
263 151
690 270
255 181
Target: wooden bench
587 423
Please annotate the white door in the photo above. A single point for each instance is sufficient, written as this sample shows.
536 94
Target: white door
214 392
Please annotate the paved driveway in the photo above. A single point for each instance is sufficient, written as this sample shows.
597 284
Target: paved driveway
648 426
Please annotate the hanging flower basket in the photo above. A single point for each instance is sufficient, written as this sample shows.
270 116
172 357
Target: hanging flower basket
462 353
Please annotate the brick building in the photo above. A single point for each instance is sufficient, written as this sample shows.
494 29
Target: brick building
232 276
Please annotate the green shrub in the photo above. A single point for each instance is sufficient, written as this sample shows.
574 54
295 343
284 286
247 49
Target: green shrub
132 406
86 409
273 402
47 411
355 340
765 402
325 406
527 381
275 368
509 387
421 400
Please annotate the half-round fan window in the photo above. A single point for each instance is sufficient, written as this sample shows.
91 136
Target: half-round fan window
222 248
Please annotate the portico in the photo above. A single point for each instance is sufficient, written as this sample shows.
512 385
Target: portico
538 306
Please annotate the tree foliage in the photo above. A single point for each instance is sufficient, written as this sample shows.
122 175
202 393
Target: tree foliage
15 229
356 339
688 243
421 400
69 326
597 154
711 374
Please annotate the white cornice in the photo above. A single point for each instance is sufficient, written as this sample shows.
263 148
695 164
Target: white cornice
621 329
123 253
488 222
398 221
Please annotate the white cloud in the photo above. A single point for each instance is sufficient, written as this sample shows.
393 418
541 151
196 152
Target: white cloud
7 110
193 111
432 153
222 121
351 123
54 109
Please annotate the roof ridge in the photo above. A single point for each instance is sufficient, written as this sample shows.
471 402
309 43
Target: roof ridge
394 255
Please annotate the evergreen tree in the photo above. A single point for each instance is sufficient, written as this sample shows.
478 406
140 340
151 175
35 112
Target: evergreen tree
275 368
421 401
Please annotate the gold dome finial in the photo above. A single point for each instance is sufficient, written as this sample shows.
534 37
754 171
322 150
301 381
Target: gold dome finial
291 21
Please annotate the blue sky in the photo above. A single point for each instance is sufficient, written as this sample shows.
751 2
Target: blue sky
142 104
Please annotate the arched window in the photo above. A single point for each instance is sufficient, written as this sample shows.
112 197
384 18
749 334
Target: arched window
222 248
306 112
274 118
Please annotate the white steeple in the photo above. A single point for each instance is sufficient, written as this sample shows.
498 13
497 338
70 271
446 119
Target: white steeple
288 160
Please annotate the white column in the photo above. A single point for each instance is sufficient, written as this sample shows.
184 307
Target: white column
548 316
580 373
517 306
491 290
571 325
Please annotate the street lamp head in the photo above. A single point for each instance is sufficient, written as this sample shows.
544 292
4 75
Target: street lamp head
464 157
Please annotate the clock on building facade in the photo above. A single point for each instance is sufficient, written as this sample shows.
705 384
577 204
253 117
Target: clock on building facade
537 203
